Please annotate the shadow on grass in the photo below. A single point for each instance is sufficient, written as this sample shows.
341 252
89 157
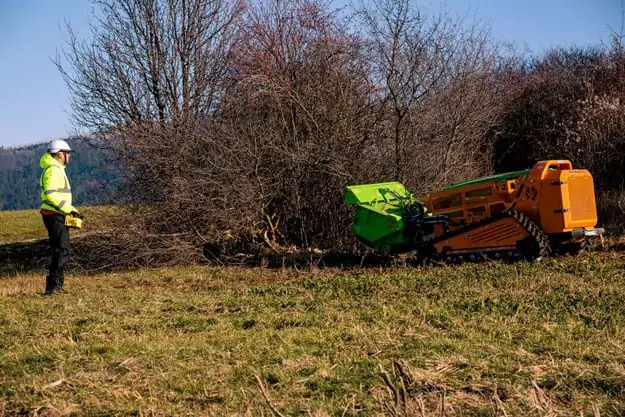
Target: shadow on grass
90 255
302 259
22 257
34 256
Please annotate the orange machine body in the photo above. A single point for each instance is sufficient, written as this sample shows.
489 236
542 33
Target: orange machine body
558 198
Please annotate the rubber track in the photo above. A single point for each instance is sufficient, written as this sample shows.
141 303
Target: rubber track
540 240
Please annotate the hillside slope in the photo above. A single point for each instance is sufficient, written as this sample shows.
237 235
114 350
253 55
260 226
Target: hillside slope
92 172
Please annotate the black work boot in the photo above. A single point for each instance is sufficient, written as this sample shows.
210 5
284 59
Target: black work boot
50 284
54 285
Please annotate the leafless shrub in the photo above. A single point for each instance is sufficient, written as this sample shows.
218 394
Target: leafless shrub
611 210
147 85
572 107
240 127
301 107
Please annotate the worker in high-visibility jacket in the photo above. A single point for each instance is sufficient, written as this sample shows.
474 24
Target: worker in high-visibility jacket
56 204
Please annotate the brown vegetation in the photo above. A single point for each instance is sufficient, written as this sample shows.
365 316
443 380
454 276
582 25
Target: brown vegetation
572 106
241 124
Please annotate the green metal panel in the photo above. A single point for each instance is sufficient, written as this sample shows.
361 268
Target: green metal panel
371 193
493 178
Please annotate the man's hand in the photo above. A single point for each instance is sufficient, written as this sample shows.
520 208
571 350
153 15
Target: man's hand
77 215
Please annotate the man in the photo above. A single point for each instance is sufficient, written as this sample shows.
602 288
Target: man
56 197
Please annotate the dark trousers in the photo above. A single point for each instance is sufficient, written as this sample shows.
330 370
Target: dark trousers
59 244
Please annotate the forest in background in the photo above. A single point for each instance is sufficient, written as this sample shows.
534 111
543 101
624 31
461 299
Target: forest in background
93 174
239 124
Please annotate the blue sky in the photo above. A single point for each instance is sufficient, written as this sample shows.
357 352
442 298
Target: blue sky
34 102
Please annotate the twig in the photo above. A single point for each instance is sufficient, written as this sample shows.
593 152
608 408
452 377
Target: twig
499 403
263 390
403 376
349 403
421 407
391 386
443 402
596 411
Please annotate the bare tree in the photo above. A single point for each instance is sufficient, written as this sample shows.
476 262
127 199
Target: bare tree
150 67
149 60
411 51
236 124
437 77
147 83
570 106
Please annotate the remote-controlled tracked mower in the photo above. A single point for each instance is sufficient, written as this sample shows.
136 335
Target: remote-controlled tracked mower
547 210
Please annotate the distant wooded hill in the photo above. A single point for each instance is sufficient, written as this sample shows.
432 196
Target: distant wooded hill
92 174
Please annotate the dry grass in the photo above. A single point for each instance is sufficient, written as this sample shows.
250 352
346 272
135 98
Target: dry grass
478 340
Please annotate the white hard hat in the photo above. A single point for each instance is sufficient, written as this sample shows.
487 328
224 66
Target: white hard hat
58 145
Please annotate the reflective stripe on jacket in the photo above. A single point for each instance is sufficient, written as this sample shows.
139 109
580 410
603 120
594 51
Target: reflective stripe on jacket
56 193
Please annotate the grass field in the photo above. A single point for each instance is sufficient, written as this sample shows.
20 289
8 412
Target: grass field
542 339
21 225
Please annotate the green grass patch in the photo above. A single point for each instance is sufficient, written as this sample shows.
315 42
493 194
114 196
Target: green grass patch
24 225
477 340
20 225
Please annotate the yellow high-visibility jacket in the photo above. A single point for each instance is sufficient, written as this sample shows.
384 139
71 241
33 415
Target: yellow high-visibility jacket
56 193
